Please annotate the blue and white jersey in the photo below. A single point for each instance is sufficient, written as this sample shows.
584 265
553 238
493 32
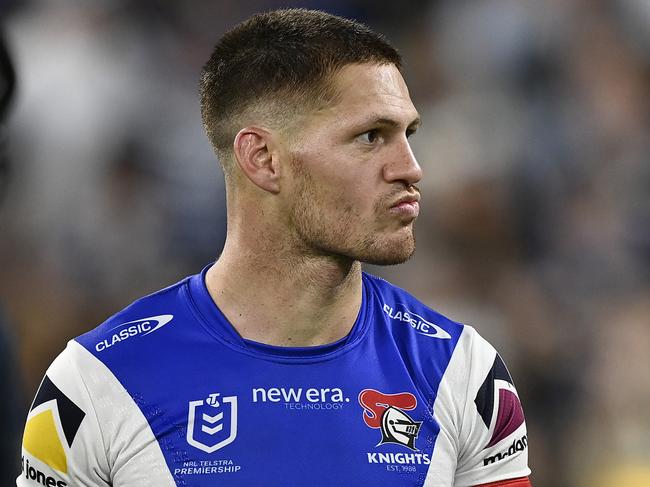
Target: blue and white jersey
166 393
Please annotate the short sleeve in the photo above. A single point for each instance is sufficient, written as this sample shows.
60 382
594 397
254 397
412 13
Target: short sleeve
493 442
84 429
62 441
482 436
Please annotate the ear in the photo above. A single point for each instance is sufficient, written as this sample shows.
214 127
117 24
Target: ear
253 148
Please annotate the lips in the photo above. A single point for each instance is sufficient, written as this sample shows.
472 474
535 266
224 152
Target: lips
407 206
407 200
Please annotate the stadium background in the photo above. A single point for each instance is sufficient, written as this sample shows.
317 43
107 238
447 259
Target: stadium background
536 212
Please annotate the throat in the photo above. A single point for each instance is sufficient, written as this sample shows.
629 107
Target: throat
305 308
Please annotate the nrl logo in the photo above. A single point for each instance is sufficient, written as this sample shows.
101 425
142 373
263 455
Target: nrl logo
212 423
385 411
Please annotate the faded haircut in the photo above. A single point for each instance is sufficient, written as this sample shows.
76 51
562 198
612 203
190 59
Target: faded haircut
277 66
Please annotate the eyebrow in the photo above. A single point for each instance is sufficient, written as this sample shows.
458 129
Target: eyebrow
393 123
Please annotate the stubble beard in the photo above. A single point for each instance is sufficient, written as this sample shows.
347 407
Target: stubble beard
332 233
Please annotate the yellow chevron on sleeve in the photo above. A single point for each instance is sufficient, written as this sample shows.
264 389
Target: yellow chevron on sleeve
41 439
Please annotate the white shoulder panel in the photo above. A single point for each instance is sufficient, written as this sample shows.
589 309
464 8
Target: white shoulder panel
112 445
468 452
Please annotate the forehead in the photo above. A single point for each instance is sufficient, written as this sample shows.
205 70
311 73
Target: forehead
371 90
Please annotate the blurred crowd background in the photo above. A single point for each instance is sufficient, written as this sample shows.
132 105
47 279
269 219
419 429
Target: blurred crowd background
535 226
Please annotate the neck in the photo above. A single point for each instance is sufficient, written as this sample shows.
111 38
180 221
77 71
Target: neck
282 297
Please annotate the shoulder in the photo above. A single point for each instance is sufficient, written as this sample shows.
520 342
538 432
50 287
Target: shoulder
404 310
82 426
469 369
440 353
143 317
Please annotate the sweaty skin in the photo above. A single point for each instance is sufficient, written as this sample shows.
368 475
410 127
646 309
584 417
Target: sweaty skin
311 205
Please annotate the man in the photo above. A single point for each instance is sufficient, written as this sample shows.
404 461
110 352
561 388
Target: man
282 364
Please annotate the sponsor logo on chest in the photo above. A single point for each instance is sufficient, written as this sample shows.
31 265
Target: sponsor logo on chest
213 424
304 399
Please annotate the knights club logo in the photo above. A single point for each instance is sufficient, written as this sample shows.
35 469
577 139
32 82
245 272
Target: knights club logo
386 412
212 423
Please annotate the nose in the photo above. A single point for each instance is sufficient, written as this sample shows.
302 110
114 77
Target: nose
403 167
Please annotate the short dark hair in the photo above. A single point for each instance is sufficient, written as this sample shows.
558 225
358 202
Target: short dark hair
280 62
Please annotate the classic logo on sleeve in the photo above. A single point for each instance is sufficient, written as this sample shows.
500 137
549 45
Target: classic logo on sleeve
212 423
130 329
399 312
51 428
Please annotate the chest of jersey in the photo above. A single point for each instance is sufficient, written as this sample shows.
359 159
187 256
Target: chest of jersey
232 413
240 421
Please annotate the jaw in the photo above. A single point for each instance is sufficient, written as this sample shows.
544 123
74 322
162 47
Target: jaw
395 247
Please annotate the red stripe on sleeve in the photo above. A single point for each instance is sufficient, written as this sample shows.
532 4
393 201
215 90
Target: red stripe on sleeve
520 482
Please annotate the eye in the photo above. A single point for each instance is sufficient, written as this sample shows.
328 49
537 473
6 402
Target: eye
370 137
410 132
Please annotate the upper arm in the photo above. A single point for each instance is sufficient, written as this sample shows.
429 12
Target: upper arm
84 429
62 441
493 443
482 435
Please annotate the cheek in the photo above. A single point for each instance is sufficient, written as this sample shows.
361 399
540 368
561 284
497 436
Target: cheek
350 202
341 192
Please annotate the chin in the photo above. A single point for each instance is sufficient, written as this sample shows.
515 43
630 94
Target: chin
385 260
388 253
